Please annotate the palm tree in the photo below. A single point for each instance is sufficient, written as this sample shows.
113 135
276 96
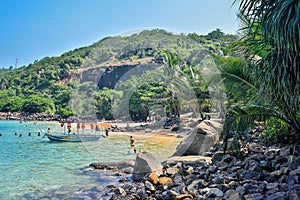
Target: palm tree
271 29
182 92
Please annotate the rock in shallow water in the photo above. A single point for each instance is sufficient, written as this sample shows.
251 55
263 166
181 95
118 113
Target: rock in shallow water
145 163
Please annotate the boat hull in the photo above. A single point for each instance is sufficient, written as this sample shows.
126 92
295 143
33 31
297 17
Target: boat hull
72 137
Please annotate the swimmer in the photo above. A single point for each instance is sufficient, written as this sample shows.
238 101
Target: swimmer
131 141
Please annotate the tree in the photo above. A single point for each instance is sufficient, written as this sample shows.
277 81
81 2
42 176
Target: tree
263 85
215 35
103 103
38 104
274 26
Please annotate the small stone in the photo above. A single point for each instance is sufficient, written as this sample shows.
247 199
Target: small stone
153 178
168 195
217 156
294 195
184 196
276 196
212 169
241 190
255 196
295 172
128 170
120 191
277 173
271 185
190 170
232 195
250 175
285 151
210 192
171 171
165 181
177 179
255 148
149 186
233 184
217 180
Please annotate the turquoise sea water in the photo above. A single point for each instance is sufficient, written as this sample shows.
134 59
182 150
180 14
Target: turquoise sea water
33 164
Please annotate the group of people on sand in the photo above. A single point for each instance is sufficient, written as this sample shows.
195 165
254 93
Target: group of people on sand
79 126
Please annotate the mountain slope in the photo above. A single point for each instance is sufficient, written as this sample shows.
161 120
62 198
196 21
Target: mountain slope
47 85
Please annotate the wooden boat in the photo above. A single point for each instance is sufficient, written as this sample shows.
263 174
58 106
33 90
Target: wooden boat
72 137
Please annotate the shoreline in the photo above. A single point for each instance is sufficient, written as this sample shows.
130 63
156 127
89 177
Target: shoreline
23 116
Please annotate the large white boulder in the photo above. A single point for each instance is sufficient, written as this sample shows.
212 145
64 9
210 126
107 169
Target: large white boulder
200 140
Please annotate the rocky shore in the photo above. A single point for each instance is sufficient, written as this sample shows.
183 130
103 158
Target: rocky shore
261 173
195 172
29 116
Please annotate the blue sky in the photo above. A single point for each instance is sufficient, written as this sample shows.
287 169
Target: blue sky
33 29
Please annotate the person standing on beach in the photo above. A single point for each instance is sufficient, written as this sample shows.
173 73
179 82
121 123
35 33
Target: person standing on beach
82 126
78 127
92 127
69 127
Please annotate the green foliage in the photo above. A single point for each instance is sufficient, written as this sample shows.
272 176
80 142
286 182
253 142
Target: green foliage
64 111
104 102
276 26
38 104
145 97
263 86
277 131
216 42
10 102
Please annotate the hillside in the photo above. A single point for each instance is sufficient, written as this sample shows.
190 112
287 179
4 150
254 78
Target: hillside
48 85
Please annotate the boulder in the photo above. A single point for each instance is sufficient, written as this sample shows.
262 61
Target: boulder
122 165
188 160
204 137
145 163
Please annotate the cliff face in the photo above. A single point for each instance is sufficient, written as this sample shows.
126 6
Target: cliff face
113 75
108 76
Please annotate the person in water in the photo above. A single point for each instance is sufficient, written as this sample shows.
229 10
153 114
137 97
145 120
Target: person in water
131 141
